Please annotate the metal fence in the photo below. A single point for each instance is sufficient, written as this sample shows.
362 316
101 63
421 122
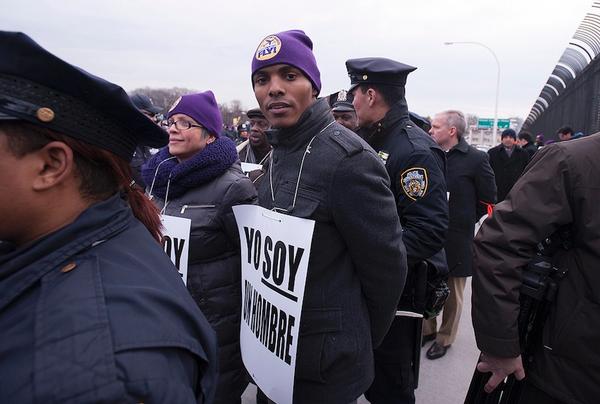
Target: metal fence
571 96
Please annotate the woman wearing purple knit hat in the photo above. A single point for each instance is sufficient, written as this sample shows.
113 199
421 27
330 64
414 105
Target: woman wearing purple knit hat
198 176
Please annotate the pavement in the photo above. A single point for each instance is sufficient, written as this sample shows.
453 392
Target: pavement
444 380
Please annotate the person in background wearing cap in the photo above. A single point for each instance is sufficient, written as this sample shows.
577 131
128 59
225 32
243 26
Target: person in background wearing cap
357 262
142 153
508 162
256 148
343 110
471 194
416 166
243 132
198 176
91 308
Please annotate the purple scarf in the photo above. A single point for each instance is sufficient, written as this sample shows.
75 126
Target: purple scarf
203 167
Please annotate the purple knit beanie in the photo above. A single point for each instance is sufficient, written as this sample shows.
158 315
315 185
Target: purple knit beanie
292 48
202 108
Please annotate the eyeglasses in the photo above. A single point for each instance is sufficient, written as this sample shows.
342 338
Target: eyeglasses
179 125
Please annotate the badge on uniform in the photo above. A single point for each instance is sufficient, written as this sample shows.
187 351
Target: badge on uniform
414 182
383 155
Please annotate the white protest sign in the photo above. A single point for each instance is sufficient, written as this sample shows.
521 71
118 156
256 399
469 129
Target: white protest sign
247 167
176 242
275 249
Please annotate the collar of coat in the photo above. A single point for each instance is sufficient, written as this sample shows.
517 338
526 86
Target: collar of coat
312 120
397 114
20 268
461 146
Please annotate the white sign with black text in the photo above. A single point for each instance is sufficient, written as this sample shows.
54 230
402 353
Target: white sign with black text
275 249
176 242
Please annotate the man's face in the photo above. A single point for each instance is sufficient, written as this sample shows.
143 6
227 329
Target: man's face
564 136
361 106
16 194
258 126
440 131
283 94
508 141
347 119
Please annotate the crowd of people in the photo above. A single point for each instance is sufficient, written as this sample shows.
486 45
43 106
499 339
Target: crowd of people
93 310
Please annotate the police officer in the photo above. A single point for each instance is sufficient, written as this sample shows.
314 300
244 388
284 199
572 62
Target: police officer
343 110
91 308
416 166
142 153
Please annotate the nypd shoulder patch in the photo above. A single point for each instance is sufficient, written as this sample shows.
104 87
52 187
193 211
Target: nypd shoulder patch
414 182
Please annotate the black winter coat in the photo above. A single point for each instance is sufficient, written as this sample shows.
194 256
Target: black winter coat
357 263
471 188
417 168
214 266
96 312
531 149
507 170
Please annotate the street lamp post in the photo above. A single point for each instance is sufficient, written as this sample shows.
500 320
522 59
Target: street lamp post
495 129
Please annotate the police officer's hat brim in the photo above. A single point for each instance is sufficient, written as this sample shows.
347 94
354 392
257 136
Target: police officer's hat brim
68 100
154 110
342 108
353 86
6 117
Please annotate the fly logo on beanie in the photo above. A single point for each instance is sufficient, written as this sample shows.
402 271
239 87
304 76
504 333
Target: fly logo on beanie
292 48
268 48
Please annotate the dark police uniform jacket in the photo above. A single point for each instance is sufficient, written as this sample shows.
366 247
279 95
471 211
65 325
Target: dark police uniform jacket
96 312
561 187
357 263
417 167
471 189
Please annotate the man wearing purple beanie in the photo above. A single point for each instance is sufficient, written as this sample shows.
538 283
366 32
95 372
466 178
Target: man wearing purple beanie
322 171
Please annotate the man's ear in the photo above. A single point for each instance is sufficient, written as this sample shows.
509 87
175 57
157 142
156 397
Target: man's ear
55 165
372 96
315 92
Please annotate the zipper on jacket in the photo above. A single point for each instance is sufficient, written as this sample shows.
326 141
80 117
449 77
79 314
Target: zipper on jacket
184 207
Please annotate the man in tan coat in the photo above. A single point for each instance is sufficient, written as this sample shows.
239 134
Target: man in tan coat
560 188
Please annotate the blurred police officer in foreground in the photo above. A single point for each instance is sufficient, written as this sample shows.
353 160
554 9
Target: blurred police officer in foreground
416 166
324 172
343 110
561 182
91 309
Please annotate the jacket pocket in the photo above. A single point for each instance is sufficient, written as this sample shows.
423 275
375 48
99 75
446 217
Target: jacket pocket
323 344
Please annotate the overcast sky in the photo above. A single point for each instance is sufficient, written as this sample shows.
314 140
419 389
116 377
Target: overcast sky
209 45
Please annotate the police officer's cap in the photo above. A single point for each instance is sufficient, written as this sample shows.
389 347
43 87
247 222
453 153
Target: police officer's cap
38 87
377 71
144 103
342 102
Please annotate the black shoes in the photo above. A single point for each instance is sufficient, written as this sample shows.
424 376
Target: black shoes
428 338
436 351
